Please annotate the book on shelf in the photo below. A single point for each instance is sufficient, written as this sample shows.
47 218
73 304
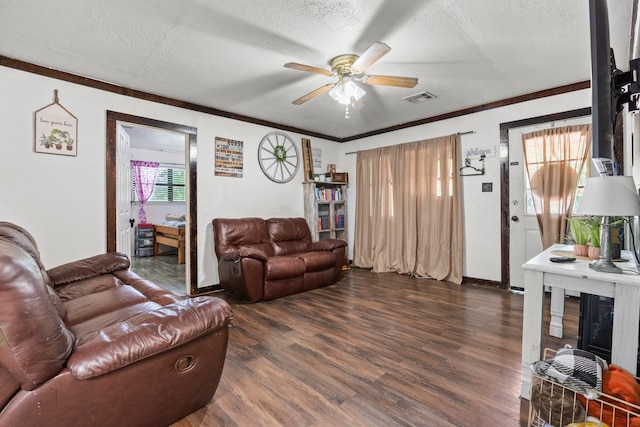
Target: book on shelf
329 194
323 222
339 221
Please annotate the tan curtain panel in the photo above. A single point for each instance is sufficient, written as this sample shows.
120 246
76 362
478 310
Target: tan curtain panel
409 209
554 160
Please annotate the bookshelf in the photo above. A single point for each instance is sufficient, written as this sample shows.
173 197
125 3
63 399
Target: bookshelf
325 209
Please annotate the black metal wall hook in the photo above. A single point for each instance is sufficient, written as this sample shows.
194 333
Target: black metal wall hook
468 165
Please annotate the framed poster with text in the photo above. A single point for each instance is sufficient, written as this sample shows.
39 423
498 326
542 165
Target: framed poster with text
229 158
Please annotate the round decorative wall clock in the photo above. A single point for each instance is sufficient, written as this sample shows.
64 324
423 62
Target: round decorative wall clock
278 157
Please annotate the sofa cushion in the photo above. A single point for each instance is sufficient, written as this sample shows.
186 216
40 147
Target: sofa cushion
231 234
87 268
289 235
88 328
93 305
87 287
283 267
317 261
34 341
21 237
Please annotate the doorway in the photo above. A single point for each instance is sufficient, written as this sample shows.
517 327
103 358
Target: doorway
525 240
160 263
507 162
190 137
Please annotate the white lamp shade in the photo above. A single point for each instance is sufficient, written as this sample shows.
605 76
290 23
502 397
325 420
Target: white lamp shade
610 196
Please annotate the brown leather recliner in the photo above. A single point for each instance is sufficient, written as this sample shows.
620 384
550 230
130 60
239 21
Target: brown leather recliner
261 260
91 343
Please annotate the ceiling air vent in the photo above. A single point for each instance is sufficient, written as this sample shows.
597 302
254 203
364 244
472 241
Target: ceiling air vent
419 97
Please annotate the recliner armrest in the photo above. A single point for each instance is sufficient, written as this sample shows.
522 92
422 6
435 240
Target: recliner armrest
87 268
245 253
148 334
327 245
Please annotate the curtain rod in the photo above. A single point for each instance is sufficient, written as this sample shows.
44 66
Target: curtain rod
459 133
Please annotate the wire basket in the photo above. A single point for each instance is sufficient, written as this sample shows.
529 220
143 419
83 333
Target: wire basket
553 405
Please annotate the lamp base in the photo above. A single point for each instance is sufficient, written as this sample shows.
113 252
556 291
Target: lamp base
605 266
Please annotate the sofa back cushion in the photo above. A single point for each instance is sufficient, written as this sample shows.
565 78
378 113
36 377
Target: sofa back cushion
34 341
231 234
21 237
289 235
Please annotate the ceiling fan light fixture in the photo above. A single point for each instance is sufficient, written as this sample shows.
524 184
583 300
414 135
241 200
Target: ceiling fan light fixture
354 91
350 69
337 94
346 92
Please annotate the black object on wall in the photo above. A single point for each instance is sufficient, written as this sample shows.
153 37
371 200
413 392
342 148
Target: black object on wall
601 106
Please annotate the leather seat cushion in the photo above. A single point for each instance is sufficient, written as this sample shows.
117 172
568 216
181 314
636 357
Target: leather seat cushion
317 260
93 305
283 267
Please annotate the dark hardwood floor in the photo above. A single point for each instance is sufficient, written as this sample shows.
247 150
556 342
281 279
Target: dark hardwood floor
376 350
163 270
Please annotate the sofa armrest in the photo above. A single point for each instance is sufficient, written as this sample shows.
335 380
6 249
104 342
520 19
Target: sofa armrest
327 245
87 268
147 334
245 253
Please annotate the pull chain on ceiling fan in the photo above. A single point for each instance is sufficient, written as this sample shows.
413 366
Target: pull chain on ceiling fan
350 69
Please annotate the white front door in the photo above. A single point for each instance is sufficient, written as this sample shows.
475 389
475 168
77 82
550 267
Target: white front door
124 240
524 235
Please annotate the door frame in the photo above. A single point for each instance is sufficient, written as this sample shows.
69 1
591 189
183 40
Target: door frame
504 177
113 118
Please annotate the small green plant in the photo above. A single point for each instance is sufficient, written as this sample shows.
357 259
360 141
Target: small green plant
579 230
593 225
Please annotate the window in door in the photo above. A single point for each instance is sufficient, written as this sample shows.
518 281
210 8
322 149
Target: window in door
572 155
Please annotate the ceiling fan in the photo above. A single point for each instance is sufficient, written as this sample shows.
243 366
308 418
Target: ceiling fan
350 69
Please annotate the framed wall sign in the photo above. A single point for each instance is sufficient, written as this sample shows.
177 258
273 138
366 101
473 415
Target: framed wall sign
56 130
229 157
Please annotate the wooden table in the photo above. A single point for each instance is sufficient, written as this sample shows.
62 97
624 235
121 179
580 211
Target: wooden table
170 236
577 276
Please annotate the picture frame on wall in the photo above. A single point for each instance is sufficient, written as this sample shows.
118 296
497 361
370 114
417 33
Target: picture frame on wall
55 130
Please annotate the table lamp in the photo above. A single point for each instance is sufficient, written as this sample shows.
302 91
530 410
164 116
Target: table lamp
608 196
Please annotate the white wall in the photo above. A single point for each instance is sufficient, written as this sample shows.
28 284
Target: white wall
482 227
62 202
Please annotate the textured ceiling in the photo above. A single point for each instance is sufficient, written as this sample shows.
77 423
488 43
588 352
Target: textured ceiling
229 54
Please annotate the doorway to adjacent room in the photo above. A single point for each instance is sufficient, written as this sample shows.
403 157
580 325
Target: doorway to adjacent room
116 182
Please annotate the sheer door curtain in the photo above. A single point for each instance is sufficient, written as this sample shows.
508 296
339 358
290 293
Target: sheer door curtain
554 159
409 209
144 180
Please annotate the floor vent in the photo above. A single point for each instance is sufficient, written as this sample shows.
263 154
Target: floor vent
419 97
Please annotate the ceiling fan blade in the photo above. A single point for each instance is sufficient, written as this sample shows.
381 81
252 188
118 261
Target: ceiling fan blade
313 94
391 81
301 67
371 55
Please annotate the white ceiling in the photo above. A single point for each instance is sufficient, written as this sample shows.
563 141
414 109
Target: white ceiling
147 138
229 54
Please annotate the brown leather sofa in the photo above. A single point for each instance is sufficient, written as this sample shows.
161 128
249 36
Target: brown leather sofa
90 343
260 260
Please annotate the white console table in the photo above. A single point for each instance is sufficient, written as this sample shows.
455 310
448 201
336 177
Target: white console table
577 276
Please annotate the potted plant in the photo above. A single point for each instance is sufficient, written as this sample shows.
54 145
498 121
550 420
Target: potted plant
593 225
579 235
44 140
